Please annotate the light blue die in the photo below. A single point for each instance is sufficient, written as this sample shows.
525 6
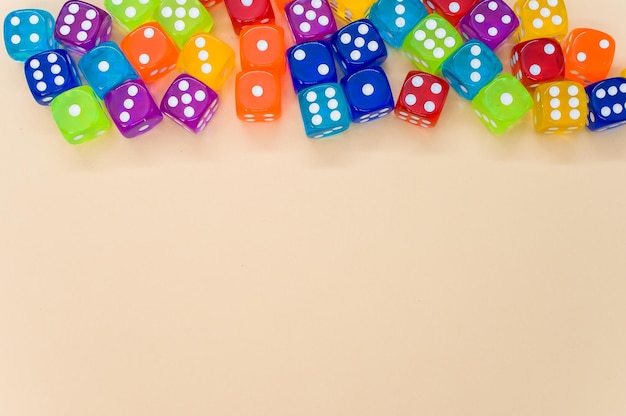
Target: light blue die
28 32
324 110
394 19
105 67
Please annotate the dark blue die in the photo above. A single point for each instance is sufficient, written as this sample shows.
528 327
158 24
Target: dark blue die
105 67
27 32
470 68
311 63
607 104
395 19
359 45
50 73
368 94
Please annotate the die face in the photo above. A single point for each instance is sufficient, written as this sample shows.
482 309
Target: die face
105 67
49 74
359 45
131 14
28 32
324 110
311 63
421 99
541 19
81 26
431 42
208 59
258 96
351 10
368 94
490 21
80 115
262 47
310 20
190 103
181 19
560 107
394 19
536 61
249 12
470 68
150 51
607 104
588 55
132 108
451 10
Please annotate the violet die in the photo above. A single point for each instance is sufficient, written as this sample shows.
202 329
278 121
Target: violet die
132 108
190 103
81 26
490 21
310 20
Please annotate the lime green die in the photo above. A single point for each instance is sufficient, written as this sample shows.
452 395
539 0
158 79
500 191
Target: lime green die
182 19
431 42
131 14
80 115
502 103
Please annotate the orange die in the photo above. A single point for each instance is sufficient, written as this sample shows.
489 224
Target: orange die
588 55
258 96
262 47
209 3
208 59
150 51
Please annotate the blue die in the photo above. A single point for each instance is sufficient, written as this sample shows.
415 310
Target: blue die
395 19
50 73
311 63
27 32
105 67
607 104
359 45
470 68
368 93
324 110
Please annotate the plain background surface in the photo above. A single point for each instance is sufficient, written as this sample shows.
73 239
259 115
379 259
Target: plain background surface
251 271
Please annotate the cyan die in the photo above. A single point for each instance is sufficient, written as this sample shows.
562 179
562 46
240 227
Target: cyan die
28 32
105 67
394 19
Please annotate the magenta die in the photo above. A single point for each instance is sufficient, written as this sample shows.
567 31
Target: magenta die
310 20
490 21
81 26
190 103
132 108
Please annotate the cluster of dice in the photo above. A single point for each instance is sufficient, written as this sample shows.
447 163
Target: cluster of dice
451 43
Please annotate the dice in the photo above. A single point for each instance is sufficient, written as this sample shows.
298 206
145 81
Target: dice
150 51
358 45
190 103
80 115
258 96
491 21
311 63
422 98
310 20
588 55
470 68
181 19
208 59
541 19
209 3
132 108
324 110
431 42
262 47
50 73
28 32
451 10
394 19
560 107
607 104
81 26
502 103
351 10
368 94
537 60
249 12
105 67
130 14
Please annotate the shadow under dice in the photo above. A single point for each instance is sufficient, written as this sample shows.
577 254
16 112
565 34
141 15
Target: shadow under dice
491 22
49 74
422 99
310 20
80 115
181 19
28 32
133 109
81 26
368 94
359 45
190 103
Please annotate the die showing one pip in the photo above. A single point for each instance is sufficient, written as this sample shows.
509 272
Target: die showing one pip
190 103
105 67
351 10
310 20
422 98
502 103
181 19
536 61
607 104
150 51
311 63
81 26
28 32
470 68
491 21
49 74
358 45
368 94
262 47
541 19
249 12
132 108
258 96
588 55
452 11
560 107
131 14
324 110
431 42
394 19
80 115
208 59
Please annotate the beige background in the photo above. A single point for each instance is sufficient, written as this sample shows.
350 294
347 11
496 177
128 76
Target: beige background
251 271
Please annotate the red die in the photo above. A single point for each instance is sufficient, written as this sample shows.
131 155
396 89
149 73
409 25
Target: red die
452 11
421 99
536 61
249 12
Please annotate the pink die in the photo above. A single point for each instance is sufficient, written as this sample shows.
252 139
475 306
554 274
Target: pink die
132 108
190 103
81 26
310 20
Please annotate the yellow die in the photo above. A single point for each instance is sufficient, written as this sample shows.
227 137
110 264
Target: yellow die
351 10
560 107
541 19
208 59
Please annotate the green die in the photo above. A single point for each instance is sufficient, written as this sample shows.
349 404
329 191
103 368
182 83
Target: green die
182 19
502 103
80 115
131 13
431 42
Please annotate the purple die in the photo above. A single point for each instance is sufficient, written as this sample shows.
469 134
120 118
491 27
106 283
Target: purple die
132 108
490 21
310 20
81 26
190 103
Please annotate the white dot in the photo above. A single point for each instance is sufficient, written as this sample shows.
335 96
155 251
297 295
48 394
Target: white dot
183 85
363 29
316 120
417 81
82 36
506 99
574 102
438 53
475 63
429 106
345 38
206 68
372 45
335 115
200 95
91 14
493 31
103 66
557 20
311 96
554 91
310 15
257 91
133 90
449 42
167 12
332 104
41 86
55 69
410 99
64 30
431 24
323 20
180 12
124 116
479 18
549 49
330 92
581 56
492 5
34 64
400 22
436 88
604 44
367 90
262 45
172 102
533 5
537 23
454 7
440 33
74 110
535 69
314 108
130 12
400 9
200 42
144 58
622 87
506 19
189 112
612 91
59 80
186 99
203 55
600 93
34 38
555 103
73 8
299 55
355 55
129 103
420 35
617 108
15 20
179 25
359 42
574 114
475 77
429 44
605 111
475 50
323 69
297 9
38 75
